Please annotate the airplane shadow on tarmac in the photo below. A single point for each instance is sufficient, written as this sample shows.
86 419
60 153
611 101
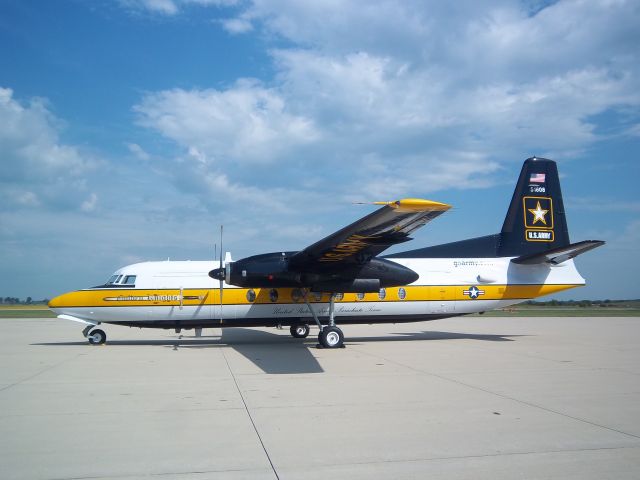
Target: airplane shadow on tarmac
276 353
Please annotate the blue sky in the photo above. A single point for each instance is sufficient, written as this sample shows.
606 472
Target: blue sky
132 129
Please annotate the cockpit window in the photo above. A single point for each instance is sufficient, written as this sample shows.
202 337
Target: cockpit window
112 280
129 280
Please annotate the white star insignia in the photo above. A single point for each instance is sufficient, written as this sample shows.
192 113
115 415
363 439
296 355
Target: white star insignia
539 214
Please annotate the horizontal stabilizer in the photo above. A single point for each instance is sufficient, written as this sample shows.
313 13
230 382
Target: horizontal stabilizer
558 255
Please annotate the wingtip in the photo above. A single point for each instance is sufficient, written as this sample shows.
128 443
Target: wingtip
415 205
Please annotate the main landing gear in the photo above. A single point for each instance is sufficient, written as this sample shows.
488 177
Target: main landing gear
329 336
300 331
95 336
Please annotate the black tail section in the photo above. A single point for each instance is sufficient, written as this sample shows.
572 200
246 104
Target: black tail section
536 220
534 231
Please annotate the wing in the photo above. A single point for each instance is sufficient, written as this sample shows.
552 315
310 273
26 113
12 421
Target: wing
369 236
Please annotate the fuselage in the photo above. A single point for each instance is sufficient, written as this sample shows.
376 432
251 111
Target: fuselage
180 294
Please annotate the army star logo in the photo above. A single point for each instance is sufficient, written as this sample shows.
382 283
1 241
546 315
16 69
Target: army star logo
539 214
473 292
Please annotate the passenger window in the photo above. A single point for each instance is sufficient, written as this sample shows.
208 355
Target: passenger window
296 295
129 280
273 295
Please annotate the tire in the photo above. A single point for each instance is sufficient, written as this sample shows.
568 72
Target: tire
97 337
300 331
331 337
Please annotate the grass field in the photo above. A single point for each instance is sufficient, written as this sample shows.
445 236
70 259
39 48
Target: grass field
25 311
616 309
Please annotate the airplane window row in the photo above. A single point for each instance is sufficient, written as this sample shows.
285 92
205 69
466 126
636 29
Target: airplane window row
297 295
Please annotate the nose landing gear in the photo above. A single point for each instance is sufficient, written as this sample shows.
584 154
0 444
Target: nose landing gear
96 336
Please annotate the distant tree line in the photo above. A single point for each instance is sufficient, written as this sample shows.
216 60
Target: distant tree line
17 301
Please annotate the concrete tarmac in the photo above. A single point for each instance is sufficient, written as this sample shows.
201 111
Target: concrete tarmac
461 398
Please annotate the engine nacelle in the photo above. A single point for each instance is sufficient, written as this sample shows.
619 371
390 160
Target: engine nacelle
272 270
358 285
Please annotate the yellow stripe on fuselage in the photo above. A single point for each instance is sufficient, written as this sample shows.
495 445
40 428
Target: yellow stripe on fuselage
240 296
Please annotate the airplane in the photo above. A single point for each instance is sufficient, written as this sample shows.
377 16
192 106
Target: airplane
342 279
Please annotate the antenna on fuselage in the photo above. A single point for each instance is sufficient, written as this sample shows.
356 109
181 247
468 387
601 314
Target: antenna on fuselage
221 277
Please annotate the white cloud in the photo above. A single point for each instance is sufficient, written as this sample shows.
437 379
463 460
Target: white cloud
448 93
414 78
633 130
170 7
38 169
166 7
89 205
138 151
245 123
237 25
29 199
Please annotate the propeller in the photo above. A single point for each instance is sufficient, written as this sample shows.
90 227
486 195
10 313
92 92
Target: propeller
223 272
221 277
219 273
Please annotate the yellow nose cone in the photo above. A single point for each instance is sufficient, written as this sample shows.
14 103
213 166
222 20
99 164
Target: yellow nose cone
65 300
55 302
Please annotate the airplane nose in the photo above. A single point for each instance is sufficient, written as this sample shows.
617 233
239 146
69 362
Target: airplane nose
61 301
55 302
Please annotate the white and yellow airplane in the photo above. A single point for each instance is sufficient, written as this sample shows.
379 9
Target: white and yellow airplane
342 280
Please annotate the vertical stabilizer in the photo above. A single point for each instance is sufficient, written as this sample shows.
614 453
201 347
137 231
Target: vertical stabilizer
536 219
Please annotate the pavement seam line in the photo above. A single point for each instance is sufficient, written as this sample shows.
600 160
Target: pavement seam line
507 397
157 474
246 407
374 462
488 455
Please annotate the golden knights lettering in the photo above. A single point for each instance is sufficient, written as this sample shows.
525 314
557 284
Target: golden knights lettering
350 246
538 219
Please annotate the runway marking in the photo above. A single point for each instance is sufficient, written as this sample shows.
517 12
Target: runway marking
246 407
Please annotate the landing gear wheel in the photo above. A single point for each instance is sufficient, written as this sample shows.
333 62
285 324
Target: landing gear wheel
299 331
331 337
97 337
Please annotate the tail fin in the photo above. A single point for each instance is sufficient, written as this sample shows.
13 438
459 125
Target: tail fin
536 220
